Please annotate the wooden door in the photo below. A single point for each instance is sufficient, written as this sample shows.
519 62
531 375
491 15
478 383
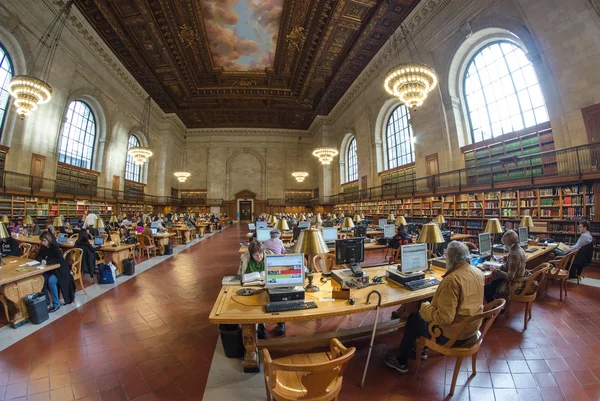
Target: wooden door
245 211
36 171
116 183
431 163
591 119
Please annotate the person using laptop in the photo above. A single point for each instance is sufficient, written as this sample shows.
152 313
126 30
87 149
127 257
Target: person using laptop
148 231
254 261
88 260
157 224
274 244
401 238
512 269
458 297
9 247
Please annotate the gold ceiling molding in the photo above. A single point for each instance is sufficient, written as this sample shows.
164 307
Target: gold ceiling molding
249 132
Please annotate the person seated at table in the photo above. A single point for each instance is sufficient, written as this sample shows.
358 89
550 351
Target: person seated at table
147 231
512 269
254 261
16 227
52 232
9 247
51 254
584 239
33 229
274 244
124 232
157 224
401 238
213 218
458 297
88 262
140 221
126 221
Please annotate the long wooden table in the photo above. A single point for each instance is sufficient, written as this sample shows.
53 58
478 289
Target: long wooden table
17 281
161 239
368 247
283 237
186 233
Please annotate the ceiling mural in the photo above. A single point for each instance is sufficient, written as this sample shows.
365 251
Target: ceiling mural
242 34
246 63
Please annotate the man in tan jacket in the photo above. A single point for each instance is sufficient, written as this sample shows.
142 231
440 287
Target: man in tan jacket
458 297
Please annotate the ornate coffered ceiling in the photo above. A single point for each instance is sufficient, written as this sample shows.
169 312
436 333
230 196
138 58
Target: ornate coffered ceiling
205 59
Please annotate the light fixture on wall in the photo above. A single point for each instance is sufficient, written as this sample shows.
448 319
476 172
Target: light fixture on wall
410 82
183 175
30 91
141 154
300 175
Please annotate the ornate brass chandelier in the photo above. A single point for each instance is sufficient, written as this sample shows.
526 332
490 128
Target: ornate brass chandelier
30 91
299 175
183 175
325 154
141 154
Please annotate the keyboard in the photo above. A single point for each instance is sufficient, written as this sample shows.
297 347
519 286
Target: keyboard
286 306
423 283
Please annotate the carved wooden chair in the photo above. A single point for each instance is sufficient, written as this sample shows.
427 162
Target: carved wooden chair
324 262
526 289
74 256
116 238
25 249
560 271
73 237
487 317
307 377
146 245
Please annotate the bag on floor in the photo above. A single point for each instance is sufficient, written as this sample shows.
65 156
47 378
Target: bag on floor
105 275
113 270
169 249
128 267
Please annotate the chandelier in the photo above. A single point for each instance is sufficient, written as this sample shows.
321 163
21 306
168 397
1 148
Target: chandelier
325 154
30 91
299 175
141 154
183 175
410 82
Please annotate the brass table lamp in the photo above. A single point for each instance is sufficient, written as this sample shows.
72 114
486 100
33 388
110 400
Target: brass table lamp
440 220
347 224
310 243
357 218
430 235
3 234
4 219
493 227
319 220
58 222
390 218
400 220
99 223
282 225
28 220
527 221
272 220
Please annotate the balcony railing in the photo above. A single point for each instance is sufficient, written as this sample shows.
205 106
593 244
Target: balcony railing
576 163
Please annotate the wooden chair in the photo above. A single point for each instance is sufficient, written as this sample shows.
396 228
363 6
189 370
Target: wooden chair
146 245
100 258
105 236
116 238
74 237
74 256
487 317
307 377
470 245
560 271
177 239
25 249
324 262
528 292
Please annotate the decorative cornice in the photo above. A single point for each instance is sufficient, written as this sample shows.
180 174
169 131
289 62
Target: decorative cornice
250 132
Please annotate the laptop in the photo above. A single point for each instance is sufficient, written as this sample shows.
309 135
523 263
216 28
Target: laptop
251 226
62 238
154 231
330 235
98 241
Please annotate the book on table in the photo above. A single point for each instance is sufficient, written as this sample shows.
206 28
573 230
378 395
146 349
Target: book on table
254 278
231 280
563 247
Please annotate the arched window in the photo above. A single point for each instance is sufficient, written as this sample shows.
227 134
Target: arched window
352 160
6 74
133 171
399 138
78 137
502 92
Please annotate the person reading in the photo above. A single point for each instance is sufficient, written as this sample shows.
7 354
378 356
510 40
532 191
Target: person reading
274 244
512 269
401 238
582 245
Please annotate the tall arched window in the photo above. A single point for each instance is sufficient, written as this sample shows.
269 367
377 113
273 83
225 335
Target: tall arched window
78 136
502 92
133 171
352 169
6 74
399 137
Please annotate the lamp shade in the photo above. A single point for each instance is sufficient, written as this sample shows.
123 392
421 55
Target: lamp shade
440 219
333 217
28 220
430 234
58 222
311 242
493 226
4 219
362 216
400 220
282 225
347 223
390 218
526 221
357 218
272 219
3 231
319 219
113 219
99 223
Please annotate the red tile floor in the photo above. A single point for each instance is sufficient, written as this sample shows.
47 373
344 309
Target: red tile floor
149 339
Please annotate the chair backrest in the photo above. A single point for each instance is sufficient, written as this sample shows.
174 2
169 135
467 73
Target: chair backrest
566 262
73 237
25 249
317 377
100 257
585 255
323 262
539 267
538 274
146 241
74 257
105 236
115 237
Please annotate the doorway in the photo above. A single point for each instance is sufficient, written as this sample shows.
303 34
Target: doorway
245 211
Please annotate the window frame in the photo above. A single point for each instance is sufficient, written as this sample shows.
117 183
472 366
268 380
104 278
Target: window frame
514 88
129 161
351 161
94 119
399 134
12 72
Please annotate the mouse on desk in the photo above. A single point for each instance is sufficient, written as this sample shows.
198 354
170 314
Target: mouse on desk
351 301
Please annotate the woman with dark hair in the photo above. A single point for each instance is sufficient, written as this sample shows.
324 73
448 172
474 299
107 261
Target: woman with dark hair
88 263
51 254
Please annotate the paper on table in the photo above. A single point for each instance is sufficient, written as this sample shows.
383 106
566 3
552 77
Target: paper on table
30 264
231 280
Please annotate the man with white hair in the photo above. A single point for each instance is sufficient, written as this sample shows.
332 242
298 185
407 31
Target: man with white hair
458 297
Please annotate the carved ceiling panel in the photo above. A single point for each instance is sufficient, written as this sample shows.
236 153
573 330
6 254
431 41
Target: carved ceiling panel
246 63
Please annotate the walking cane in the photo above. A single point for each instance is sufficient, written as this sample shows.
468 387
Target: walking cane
362 383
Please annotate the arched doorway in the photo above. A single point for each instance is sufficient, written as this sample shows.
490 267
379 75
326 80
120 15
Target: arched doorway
245 205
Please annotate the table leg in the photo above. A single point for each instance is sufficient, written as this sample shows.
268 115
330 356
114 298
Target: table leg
251 364
14 292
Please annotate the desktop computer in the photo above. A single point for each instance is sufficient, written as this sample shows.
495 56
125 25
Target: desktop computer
382 223
414 263
350 251
524 237
284 277
485 245
261 224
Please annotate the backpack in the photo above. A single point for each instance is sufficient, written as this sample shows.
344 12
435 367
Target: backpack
105 275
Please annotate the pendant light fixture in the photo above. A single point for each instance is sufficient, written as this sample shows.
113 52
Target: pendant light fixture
141 154
183 174
325 153
410 82
299 174
30 91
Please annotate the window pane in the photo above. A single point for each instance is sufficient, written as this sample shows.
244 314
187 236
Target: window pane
133 172
509 91
399 138
78 136
6 74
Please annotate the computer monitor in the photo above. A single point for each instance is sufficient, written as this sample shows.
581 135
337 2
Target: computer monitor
382 222
328 223
263 234
441 248
349 251
360 231
261 224
523 235
62 238
414 258
388 231
251 226
304 224
284 270
154 231
330 234
485 243
98 241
